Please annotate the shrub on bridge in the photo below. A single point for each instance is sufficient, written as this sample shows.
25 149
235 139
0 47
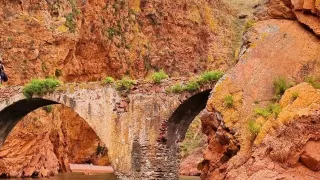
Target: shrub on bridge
157 77
40 87
192 86
125 83
177 88
210 76
108 80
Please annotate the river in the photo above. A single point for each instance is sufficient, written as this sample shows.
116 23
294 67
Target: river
80 176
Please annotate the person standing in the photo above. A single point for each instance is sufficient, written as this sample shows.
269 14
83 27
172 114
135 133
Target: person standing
3 76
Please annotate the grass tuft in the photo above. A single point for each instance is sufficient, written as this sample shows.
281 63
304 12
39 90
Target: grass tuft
108 80
177 88
254 127
229 101
40 87
48 108
157 77
294 96
192 86
210 76
125 83
271 109
280 85
313 81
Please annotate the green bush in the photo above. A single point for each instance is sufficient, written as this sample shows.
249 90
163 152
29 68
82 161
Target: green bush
192 86
313 81
210 76
125 83
271 109
48 108
70 22
262 112
254 127
280 86
228 101
158 76
177 88
249 24
108 80
294 96
40 87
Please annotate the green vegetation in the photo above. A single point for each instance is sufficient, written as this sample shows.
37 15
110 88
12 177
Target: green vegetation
249 24
228 101
158 76
271 109
177 88
58 73
294 96
210 76
70 22
125 83
108 80
71 17
40 87
254 127
48 108
192 86
10 38
313 81
280 86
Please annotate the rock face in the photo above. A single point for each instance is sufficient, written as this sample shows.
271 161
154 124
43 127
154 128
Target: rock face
307 12
311 156
272 49
43 144
88 40
188 166
288 147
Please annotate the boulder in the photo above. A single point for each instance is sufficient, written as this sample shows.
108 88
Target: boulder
311 155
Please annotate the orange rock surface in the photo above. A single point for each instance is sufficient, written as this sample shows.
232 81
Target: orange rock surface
89 40
44 143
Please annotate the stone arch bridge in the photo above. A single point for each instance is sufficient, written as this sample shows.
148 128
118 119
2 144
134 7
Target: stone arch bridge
141 128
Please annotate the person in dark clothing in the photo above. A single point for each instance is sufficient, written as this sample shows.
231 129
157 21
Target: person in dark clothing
2 73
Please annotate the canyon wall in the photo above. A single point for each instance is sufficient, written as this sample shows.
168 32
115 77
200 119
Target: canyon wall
88 40
263 135
80 41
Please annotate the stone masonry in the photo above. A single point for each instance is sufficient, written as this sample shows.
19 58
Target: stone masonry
141 128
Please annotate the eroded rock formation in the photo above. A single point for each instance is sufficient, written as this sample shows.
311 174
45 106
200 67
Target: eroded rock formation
45 141
272 48
88 40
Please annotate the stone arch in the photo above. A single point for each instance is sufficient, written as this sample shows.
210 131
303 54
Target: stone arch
183 116
13 113
173 131
88 104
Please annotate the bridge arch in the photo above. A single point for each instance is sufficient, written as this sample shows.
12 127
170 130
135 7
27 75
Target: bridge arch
13 113
163 158
93 105
183 116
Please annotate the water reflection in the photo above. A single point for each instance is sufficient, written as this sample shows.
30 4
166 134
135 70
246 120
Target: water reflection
80 176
